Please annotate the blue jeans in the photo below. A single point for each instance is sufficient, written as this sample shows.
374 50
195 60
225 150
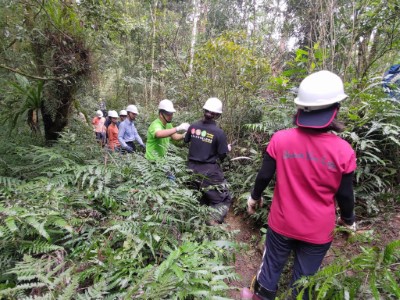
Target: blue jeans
307 259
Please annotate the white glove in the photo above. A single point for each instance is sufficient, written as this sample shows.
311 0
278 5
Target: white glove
352 227
252 205
229 147
183 127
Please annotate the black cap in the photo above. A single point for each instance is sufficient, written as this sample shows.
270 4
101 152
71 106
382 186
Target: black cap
320 118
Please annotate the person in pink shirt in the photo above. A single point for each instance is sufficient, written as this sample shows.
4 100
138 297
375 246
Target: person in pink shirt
99 128
314 170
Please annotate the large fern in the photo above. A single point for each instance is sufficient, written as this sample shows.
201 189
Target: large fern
374 274
50 277
113 219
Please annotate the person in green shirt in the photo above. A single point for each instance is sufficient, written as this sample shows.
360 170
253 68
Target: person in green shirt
161 131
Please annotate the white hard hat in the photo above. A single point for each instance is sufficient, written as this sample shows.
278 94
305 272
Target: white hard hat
123 113
112 114
133 109
320 90
99 113
213 105
166 105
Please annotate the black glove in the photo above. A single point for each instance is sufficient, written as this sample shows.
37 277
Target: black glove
129 149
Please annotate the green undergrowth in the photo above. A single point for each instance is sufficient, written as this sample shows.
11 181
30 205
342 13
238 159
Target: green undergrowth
77 222
374 274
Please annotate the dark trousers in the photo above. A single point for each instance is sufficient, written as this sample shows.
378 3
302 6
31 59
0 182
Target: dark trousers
132 145
101 137
307 259
211 182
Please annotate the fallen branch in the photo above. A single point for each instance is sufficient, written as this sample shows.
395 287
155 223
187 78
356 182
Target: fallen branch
241 157
34 76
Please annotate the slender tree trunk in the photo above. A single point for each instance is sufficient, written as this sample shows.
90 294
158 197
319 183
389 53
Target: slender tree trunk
117 84
196 11
246 19
33 120
255 25
351 49
153 10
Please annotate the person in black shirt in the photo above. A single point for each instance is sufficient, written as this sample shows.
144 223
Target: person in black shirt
208 145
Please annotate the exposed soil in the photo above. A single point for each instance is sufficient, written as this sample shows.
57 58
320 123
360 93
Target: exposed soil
248 260
378 231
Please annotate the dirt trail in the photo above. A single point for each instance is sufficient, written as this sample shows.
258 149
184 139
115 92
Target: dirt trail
247 261
385 228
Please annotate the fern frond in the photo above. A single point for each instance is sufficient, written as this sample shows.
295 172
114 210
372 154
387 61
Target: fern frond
392 252
38 247
342 278
97 291
21 287
9 182
11 224
34 222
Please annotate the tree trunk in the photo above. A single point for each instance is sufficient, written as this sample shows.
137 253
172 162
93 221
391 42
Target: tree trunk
33 121
196 10
153 44
58 47
54 121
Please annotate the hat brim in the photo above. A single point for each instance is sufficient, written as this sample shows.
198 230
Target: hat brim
316 118
169 111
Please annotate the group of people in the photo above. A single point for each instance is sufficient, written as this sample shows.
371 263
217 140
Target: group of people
313 168
208 145
106 129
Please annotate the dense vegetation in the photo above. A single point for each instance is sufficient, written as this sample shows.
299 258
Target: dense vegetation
78 222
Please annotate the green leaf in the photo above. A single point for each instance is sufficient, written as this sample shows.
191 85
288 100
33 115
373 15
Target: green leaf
38 226
11 225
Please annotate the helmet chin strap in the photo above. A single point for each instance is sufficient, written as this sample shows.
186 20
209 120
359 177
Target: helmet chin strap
208 115
166 121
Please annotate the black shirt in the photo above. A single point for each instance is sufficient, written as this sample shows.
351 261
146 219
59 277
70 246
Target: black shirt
207 142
